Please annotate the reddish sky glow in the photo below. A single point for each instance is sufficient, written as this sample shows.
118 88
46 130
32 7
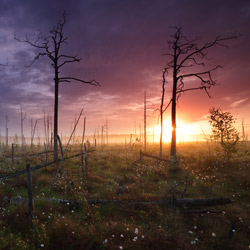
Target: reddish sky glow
122 45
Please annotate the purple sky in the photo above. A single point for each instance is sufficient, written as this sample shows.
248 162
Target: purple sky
121 44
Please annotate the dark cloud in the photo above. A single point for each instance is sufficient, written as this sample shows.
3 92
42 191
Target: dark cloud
121 45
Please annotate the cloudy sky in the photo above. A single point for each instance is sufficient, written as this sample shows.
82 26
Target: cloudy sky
121 44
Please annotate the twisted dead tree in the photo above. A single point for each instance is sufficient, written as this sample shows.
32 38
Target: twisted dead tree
187 61
50 46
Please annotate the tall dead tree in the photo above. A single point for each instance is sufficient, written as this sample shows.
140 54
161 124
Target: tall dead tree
145 121
50 46
161 107
0 140
187 59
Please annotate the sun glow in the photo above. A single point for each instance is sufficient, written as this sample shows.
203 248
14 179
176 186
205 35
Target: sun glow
184 131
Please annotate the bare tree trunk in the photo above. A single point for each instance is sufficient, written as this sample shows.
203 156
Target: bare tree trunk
173 113
243 131
66 148
12 155
86 160
33 130
83 132
22 120
7 131
29 184
140 136
50 47
82 164
73 139
161 108
56 115
102 137
98 136
106 125
145 122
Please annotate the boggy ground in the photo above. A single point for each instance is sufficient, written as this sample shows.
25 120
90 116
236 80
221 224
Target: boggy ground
116 173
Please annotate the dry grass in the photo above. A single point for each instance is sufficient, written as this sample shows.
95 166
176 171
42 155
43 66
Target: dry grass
118 174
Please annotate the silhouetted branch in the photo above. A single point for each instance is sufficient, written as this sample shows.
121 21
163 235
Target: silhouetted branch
190 89
69 79
208 72
200 51
50 46
185 53
167 106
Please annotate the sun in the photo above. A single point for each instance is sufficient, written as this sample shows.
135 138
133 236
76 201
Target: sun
184 131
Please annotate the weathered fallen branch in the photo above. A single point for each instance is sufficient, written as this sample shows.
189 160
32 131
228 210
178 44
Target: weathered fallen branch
202 212
24 171
178 202
203 202
65 151
152 156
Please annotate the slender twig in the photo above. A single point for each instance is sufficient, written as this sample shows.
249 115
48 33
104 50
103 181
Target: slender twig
66 149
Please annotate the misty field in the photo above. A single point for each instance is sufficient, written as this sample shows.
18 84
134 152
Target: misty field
113 206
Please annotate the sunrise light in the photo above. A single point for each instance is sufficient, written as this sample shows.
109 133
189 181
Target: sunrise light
184 132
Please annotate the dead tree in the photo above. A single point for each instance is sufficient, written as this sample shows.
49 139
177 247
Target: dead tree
187 58
66 148
83 132
0 140
50 46
161 107
145 121
23 116
46 131
33 130
107 130
6 131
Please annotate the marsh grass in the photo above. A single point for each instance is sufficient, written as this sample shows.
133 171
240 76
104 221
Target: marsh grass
116 173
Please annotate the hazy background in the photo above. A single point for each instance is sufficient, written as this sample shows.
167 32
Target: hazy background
121 44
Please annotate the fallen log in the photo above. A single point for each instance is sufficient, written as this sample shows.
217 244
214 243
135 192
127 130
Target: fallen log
142 154
178 202
24 171
202 212
203 202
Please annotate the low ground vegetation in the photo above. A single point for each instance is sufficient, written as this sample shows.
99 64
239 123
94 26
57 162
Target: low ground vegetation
116 173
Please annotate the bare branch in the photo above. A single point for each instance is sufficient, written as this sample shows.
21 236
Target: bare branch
208 72
167 106
217 41
69 79
73 59
190 89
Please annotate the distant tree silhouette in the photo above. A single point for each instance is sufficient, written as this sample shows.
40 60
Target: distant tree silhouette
187 58
50 46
